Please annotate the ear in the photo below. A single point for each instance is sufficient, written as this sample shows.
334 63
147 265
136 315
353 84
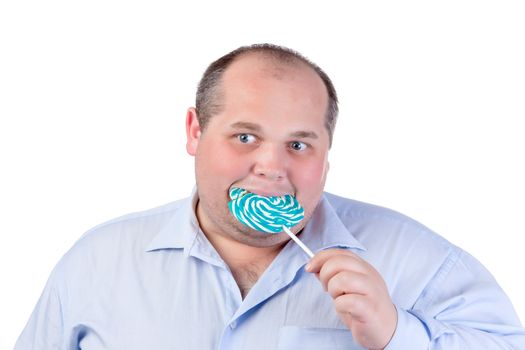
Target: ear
326 170
193 131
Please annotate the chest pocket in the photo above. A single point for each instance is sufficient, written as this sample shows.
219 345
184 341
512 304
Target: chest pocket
302 338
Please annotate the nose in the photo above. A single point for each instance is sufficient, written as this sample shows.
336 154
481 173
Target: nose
270 163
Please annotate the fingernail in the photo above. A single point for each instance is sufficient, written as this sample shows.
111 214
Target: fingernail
308 267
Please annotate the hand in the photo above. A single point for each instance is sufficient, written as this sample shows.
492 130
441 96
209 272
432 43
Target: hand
360 296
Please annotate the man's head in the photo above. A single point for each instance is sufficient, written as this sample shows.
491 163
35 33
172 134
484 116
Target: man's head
264 128
208 100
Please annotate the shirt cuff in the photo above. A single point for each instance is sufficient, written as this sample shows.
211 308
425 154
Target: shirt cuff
411 333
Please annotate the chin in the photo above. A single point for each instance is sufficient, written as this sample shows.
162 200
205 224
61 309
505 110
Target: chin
259 239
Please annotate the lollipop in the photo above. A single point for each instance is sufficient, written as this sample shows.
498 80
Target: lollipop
267 214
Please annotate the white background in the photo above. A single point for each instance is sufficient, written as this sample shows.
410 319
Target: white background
93 97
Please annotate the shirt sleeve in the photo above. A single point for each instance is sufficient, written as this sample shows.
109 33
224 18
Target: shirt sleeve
462 308
44 330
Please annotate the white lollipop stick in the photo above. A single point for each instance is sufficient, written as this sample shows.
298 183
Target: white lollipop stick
298 241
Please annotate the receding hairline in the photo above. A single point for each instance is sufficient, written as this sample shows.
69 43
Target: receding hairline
210 97
276 66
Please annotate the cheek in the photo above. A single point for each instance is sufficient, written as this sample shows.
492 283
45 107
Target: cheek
309 178
219 166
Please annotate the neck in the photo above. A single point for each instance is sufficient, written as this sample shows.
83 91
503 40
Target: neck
236 253
236 248
246 262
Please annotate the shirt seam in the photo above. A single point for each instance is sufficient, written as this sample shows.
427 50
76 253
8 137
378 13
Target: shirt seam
429 291
126 218
390 217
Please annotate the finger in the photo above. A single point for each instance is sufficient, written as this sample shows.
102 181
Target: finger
339 263
314 265
355 306
347 282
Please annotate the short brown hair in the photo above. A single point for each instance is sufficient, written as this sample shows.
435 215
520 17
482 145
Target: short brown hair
209 95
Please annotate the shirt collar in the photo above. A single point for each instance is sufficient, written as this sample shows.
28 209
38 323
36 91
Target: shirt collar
326 230
323 231
182 228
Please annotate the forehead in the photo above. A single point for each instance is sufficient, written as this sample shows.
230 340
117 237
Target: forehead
267 89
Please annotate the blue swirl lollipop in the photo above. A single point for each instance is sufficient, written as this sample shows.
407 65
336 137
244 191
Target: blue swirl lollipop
266 214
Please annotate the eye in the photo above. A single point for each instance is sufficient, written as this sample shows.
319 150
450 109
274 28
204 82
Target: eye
298 146
246 138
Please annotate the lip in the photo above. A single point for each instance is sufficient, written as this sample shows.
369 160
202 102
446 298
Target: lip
267 192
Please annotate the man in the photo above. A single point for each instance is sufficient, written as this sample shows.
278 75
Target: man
188 275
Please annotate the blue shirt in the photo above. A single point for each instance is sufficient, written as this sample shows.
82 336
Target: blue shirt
151 280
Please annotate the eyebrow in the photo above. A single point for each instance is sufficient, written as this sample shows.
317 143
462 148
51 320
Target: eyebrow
246 125
256 127
304 135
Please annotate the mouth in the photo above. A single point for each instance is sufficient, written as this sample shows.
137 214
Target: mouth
267 214
263 192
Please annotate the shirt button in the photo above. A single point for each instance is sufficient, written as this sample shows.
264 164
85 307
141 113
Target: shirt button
233 325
